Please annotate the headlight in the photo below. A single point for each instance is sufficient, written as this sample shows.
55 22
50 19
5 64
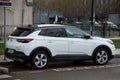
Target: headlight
109 41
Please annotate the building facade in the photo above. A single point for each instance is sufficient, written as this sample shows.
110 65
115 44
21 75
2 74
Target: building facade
18 14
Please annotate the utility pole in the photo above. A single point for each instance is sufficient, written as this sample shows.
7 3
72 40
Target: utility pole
92 26
22 20
4 30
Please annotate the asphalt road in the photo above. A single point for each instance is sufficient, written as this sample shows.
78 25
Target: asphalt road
66 71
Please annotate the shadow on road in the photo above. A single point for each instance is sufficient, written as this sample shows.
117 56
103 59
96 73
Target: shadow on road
15 67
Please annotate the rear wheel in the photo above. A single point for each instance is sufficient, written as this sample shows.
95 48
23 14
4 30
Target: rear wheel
101 56
39 60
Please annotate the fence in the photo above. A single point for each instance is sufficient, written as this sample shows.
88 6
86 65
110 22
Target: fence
98 31
9 30
101 31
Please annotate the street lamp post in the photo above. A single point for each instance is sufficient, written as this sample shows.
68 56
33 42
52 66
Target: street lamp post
4 31
93 17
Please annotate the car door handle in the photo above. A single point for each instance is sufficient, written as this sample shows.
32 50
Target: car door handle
49 41
72 42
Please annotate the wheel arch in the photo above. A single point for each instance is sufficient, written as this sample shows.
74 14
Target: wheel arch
41 49
105 47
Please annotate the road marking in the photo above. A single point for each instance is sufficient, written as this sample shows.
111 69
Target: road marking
5 76
85 68
17 79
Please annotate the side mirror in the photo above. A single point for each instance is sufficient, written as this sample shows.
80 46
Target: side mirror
87 36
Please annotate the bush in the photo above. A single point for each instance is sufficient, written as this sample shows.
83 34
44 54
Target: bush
1 48
116 43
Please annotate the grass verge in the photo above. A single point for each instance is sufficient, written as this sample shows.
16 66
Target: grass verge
1 48
117 43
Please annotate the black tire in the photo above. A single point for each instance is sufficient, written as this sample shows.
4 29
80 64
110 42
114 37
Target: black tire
39 60
101 56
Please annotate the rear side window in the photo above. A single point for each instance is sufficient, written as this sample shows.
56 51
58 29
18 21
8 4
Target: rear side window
56 32
53 32
21 32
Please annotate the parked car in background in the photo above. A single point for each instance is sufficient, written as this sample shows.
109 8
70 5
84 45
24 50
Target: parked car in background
110 24
42 44
96 23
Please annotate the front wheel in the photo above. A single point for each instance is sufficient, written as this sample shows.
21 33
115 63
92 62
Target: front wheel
101 56
39 60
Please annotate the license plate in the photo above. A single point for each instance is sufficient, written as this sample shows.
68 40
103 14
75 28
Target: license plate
10 51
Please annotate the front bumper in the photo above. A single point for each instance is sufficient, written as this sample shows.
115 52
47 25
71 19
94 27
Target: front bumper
16 55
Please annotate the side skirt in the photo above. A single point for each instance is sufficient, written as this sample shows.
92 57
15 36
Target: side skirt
70 57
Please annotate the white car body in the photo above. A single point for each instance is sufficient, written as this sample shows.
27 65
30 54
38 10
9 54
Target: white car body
58 46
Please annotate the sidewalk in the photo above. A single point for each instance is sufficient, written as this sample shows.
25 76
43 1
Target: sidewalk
117 53
6 70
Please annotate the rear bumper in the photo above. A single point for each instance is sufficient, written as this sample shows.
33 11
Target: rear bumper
16 55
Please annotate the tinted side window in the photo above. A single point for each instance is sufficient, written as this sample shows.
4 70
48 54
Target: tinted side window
56 32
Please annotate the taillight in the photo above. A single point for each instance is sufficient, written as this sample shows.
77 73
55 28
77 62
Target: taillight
24 40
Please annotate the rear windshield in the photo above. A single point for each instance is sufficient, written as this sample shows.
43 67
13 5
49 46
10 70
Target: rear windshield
21 32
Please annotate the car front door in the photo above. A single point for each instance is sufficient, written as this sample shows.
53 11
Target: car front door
78 45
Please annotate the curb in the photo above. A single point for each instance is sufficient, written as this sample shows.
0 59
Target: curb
117 56
4 70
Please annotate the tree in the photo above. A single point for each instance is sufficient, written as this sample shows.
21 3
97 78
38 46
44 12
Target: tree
39 4
69 8
77 8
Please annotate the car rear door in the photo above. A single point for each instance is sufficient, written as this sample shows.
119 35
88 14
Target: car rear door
57 42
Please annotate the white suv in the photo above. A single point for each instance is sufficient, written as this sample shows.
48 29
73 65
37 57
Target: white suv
51 42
